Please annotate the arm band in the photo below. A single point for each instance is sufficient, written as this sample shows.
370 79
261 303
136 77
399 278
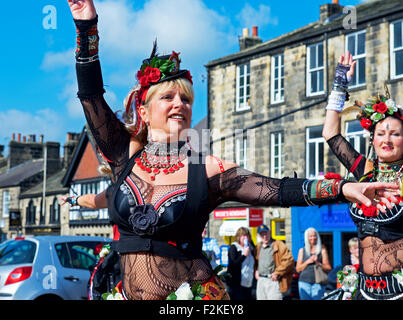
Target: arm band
303 192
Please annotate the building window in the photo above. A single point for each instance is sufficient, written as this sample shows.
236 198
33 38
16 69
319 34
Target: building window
355 136
277 78
243 86
6 204
355 43
278 229
315 70
90 187
42 213
277 155
396 49
241 152
55 211
314 154
30 213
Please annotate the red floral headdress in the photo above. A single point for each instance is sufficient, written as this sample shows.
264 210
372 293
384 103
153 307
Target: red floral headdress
155 69
376 109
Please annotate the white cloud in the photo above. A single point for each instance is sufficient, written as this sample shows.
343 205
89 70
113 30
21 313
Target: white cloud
249 16
186 26
53 60
44 121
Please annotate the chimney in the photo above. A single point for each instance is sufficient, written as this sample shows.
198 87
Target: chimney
13 137
19 137
247 41
41 138
72 140
329 10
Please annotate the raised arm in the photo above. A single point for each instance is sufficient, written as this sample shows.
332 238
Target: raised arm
352 160
108 131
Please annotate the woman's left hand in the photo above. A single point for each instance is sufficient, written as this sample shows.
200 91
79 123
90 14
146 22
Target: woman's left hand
370 193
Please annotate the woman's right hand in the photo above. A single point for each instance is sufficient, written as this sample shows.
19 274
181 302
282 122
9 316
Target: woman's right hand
82 9
347 60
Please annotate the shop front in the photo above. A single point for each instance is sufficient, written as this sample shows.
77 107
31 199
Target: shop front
232 220
333 224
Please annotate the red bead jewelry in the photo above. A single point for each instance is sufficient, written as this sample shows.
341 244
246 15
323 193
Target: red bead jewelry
155 164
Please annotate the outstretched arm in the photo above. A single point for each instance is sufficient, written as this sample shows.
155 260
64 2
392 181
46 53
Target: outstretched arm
241 185
108 131
89 200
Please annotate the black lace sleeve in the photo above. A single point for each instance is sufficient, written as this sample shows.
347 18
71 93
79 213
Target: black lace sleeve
237 184
347 155
108 131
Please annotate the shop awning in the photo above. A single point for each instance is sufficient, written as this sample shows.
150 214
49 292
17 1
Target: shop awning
230 227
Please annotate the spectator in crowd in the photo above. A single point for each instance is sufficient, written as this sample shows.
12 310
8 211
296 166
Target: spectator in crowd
275 266
314 253
241 266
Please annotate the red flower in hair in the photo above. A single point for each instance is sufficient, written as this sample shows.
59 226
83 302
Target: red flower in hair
332 175
366 123
188 76
148 76
380 107
153 74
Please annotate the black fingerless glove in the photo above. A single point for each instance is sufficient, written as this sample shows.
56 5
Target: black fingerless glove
88 68
340 78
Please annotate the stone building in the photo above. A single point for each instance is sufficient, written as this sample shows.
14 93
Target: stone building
266 107
23 210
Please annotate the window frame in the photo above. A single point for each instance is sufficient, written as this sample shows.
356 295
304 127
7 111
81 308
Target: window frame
246 84
392 53
6 204
356 57
317 141
276 172
309 71
241 159
278 80
356 135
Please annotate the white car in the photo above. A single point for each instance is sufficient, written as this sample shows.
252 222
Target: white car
48 267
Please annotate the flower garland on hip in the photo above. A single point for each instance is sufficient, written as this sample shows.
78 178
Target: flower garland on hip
347 280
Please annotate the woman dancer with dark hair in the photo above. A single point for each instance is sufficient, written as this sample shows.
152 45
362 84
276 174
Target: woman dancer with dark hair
162 191
380 233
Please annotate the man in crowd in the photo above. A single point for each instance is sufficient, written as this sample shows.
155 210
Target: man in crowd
275 266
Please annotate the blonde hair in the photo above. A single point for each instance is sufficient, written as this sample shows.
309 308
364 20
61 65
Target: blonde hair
242 231
352 242
131 121
318 248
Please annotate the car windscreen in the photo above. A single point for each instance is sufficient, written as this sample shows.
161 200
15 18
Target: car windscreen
17 252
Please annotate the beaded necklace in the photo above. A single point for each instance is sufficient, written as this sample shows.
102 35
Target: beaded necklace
388 172
160 157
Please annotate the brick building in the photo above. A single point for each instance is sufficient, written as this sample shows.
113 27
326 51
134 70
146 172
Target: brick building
266 106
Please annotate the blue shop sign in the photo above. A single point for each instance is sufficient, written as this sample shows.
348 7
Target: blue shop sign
335 217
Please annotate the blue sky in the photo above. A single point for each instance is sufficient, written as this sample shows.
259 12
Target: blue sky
37 79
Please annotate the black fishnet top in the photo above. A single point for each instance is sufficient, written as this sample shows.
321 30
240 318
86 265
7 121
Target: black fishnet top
378 254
